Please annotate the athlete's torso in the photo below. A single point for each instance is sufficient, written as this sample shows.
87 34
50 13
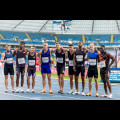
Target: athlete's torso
9 58
70 57
93 59
20 58
32 60
45 58
80 57
60 58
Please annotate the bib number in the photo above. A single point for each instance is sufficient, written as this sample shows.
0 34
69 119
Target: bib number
9 60
31 62
102 64
79 58
70 62
60 60
92 62
21 61
45 59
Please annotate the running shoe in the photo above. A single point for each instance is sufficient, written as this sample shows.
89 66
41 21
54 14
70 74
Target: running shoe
70 92
76 93
105 95
13 91
110 96
22 90
89 94
28 90
50 91
83 94
17 91
97 95
59 91
43 91
6 91
33 91
62 92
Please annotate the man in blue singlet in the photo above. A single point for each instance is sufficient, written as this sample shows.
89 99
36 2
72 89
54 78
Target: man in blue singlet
44 66
93 69
7 59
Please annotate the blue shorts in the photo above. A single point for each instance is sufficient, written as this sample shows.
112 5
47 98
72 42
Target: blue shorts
46 70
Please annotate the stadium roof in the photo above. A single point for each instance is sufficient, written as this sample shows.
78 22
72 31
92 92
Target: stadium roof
77 26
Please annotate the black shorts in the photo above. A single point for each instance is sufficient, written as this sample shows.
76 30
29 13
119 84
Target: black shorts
70 70
8 69
31 71
93 72
60 69
104 71
20 70
80 70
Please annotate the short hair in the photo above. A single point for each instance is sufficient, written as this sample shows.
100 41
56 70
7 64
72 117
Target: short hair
22 42
45 43
102 46
8 45
93 43
70 45
33 46
57 43
81 41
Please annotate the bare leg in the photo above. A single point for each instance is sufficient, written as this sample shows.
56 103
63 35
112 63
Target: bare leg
6 82
71 82
28 82
76 83
83 83
12 81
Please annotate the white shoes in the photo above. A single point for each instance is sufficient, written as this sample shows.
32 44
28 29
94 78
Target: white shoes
28 90
110 96
83 94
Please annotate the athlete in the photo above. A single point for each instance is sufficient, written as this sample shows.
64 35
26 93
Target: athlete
104 65
60 66
70 69
44 66
31 70
79 66
7 59
93 70
20 64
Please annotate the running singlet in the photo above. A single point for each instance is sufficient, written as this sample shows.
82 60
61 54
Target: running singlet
60 58
9 58
104 60
70 57
20 58
45 59
80 57
32 61
93 59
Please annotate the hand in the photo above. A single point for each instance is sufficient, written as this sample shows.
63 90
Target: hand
40 68
74 68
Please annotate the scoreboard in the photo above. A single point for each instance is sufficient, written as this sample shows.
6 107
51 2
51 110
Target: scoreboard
114 75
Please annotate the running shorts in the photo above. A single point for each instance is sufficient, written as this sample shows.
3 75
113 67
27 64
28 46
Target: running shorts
104 71
20 70
70 70
31 71
8 69
80 70
60 69
46 70
92 72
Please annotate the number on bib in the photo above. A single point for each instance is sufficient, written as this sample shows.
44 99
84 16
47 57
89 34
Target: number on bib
9 60
70 62
79 58
60 60
21 61
92 61
45 59
102 64
31 62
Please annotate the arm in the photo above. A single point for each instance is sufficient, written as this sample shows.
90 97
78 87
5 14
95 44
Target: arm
74 61
86 50
26 50
2 58
87 58
113 59
39 54
52 50
14 52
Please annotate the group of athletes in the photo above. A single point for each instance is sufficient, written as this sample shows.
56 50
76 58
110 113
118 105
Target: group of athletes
76 57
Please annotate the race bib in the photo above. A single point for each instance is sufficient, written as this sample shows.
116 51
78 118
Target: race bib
31 62
92 61
60 60
79 58
9 60
21 61
70 62
102 64
45 59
